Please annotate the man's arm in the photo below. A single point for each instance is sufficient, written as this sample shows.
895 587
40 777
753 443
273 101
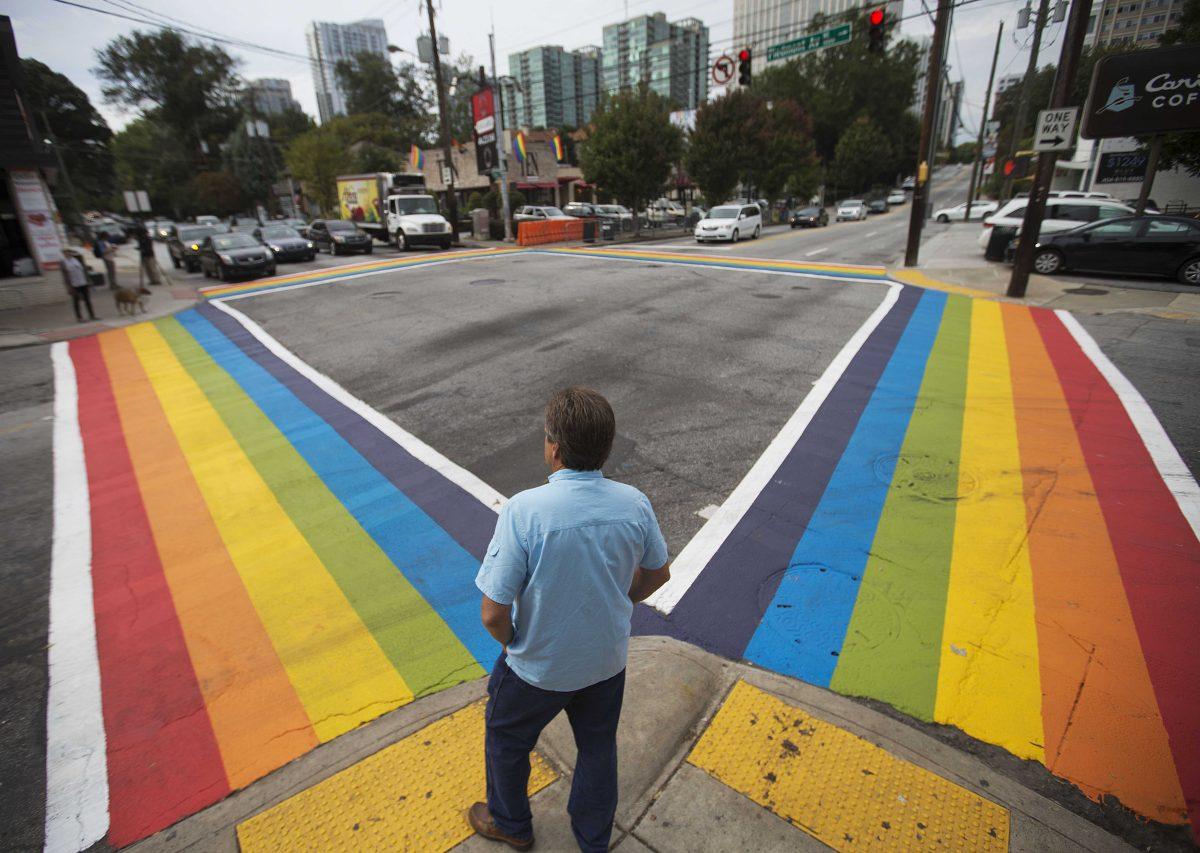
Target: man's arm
497 618
646 581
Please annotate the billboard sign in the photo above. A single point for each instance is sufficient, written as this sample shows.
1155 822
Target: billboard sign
1122 167
358 199
1144 92
483 111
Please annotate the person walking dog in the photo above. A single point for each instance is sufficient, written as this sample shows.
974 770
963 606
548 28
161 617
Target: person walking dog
566 564
75 279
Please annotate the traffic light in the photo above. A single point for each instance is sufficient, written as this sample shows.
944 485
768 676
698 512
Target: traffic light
744 71
876 21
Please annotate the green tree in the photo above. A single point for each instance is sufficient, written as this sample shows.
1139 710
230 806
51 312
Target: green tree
373 85
255 162
218 193
715 157
787 155
863 156
289 124
81 135
148 155
192 88
316 158
462 81
632 146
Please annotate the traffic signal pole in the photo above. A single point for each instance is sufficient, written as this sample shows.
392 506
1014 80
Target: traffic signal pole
933 79
977 166
1014 142
1064 77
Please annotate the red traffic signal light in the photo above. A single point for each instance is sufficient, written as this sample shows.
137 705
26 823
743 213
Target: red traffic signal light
876 17
744 55
744 67
876 31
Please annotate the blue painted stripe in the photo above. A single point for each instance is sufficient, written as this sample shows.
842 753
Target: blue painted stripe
803 628
432 561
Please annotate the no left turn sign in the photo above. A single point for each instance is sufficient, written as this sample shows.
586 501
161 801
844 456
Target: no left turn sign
722 70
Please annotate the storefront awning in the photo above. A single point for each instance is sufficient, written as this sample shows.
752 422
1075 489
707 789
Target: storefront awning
537 185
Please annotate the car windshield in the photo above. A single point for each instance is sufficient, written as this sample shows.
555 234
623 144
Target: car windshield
408 206
552 211
724 213
808 211
340 225
278 232
294 223
195 235
850 202
233 241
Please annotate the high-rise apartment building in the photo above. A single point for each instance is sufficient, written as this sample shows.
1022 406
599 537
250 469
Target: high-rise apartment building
330 43
672 58
557 87
271 96
1134 23
759 24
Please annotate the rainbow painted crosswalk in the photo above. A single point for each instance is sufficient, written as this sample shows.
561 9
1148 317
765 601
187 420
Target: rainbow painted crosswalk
972 528
269 569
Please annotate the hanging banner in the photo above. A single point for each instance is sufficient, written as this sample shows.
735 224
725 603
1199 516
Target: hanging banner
38 217
483 111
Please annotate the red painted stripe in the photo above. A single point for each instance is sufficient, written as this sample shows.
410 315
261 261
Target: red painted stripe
163 761
1157 552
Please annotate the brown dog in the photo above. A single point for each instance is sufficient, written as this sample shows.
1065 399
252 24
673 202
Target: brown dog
129 299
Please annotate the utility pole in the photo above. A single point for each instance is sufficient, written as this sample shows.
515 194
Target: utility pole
1039 23
451 200
933 80
62 166
500 146
1064 78
977 166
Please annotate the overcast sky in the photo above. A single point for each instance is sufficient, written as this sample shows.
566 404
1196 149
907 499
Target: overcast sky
66 38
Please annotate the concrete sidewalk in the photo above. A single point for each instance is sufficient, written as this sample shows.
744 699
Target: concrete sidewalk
714 756
951 259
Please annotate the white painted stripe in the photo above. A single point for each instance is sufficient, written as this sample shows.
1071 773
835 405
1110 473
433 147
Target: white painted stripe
419 449
618 253
870 234
1166 457
76 757
696 555
815 252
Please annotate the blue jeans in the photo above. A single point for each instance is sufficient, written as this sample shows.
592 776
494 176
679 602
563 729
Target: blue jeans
516 714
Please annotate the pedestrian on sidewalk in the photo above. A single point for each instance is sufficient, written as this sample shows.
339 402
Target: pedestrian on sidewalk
559 581
107 252
150 268
75 279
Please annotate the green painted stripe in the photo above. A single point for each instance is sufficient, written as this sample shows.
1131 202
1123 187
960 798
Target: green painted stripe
893 644
416 640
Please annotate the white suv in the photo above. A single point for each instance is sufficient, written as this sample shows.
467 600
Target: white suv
1062 214
730 222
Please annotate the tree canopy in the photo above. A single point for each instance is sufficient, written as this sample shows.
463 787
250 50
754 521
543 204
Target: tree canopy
317 158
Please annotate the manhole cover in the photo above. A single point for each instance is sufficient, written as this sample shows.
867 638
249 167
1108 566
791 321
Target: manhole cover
930 478
488 281
1086 291
766 295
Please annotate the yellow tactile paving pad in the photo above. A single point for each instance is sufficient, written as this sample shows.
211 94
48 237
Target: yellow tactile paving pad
409 796
846 792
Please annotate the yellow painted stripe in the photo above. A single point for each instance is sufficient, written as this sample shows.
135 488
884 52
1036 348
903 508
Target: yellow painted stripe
757 263
839 788
988 682
339 672
409 796
920 279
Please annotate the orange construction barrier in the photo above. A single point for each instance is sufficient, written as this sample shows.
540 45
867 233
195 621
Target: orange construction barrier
550 231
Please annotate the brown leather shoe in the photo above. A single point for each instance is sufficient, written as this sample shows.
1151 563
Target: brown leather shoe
481 821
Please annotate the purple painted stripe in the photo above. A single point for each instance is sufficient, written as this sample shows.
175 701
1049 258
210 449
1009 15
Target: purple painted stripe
469 522
726 603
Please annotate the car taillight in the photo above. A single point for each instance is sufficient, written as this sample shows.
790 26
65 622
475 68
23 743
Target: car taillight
986 225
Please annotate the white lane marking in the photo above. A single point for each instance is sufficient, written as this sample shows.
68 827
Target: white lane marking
269 290
76 755
828 276
419 449
695 556
815 252
870 234
1166 457
708 511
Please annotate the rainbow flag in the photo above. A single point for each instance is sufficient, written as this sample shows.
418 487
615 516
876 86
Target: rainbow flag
519 147
558 148
416 158
267 568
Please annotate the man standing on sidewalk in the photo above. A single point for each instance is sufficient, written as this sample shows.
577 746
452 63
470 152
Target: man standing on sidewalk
150 268
563 570
75 279
107 252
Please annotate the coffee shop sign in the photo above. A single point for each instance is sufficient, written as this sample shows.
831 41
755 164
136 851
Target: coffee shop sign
1167 83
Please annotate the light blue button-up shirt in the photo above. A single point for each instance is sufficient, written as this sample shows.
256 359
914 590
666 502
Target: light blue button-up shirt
564 555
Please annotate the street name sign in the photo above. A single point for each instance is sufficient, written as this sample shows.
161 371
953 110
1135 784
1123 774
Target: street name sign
1143 93
813 41
1056 129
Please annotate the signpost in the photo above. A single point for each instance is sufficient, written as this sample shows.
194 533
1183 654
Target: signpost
813 41
1056 129
483 110
722 70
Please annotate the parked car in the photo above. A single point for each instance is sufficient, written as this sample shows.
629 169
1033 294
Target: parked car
1061 215
160 229
184 245
208 220
580 210
908 183
538 213
664 211
1130 245
1151 204
958 213
338 236
229 256
622 213
877 205
299 224
730 222
897 197
285 243
809 217
851 208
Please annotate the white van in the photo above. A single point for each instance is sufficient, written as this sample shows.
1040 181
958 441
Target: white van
1062 214
730 222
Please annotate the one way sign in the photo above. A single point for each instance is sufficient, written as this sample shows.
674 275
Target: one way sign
1056 129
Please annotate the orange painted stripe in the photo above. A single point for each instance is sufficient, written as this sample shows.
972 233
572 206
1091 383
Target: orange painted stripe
256 716
1103 730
